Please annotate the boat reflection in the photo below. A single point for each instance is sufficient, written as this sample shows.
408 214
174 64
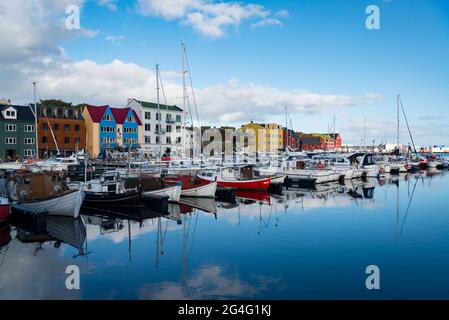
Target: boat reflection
41 228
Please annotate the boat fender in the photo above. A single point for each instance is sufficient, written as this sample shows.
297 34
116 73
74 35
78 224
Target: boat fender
89 186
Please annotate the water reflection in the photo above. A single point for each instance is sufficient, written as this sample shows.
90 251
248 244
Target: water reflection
210 248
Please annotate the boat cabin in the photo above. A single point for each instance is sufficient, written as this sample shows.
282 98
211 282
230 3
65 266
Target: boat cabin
28 186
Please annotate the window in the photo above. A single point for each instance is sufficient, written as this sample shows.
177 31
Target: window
10 140
44 139
77 127
130 141
77 140
148 115
168 117
29 140
178 118
178 129
130 130
44 127
157 128
28 152
168 140
10 127
56 126
147 127
29 128
66 140
107 117
158 116
158 140
147 139
11 113
129 119
178 140
67 127
168 128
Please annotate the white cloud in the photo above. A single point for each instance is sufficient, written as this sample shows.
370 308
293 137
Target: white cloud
266 22
282 14
232 101
115 40
110 4
208 17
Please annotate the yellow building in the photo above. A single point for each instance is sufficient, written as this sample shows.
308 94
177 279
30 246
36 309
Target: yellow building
261 137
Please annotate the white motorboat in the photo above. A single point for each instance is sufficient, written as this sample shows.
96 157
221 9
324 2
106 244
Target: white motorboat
172 192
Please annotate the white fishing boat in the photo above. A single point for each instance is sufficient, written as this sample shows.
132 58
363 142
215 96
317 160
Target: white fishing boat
172 192
316 176
43 192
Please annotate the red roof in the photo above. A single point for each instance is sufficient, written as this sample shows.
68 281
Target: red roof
137 118
96 112
120 114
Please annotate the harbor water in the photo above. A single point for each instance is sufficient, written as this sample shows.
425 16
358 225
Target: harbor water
301 244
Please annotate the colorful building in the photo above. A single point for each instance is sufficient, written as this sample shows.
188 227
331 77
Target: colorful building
320 141
61 130
291 139
110 129
17 130
261 137
162 125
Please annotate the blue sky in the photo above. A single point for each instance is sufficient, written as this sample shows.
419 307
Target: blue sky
321 47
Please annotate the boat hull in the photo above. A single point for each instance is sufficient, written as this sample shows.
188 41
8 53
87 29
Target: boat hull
5 209
112 198
68 204
203 191
173 193
257 184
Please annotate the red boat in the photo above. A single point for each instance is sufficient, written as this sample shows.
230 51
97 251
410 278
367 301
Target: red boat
238 178
5 209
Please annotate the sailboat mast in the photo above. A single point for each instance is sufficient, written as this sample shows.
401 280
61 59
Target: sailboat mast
184 94
398 120
35 121
286 128
158 111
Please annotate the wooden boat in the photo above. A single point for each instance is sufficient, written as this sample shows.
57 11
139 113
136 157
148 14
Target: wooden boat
150 185
172 192
236 177
192 186
5 208
108 190
43 192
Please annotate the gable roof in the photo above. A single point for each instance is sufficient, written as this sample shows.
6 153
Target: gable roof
137 118
24 113
96 112
120 114
152 105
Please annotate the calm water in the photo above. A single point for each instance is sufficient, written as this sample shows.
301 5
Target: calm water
300 245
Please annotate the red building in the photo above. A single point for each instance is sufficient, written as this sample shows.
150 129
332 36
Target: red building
319 141
293 139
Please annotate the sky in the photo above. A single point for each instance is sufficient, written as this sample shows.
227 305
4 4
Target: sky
249 60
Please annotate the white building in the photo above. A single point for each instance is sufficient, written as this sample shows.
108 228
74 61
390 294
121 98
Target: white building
162 126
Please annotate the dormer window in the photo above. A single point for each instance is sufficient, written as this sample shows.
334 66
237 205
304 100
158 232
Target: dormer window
10 113
107 117
129 119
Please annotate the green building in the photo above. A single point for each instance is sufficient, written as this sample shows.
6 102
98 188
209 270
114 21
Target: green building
17 132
